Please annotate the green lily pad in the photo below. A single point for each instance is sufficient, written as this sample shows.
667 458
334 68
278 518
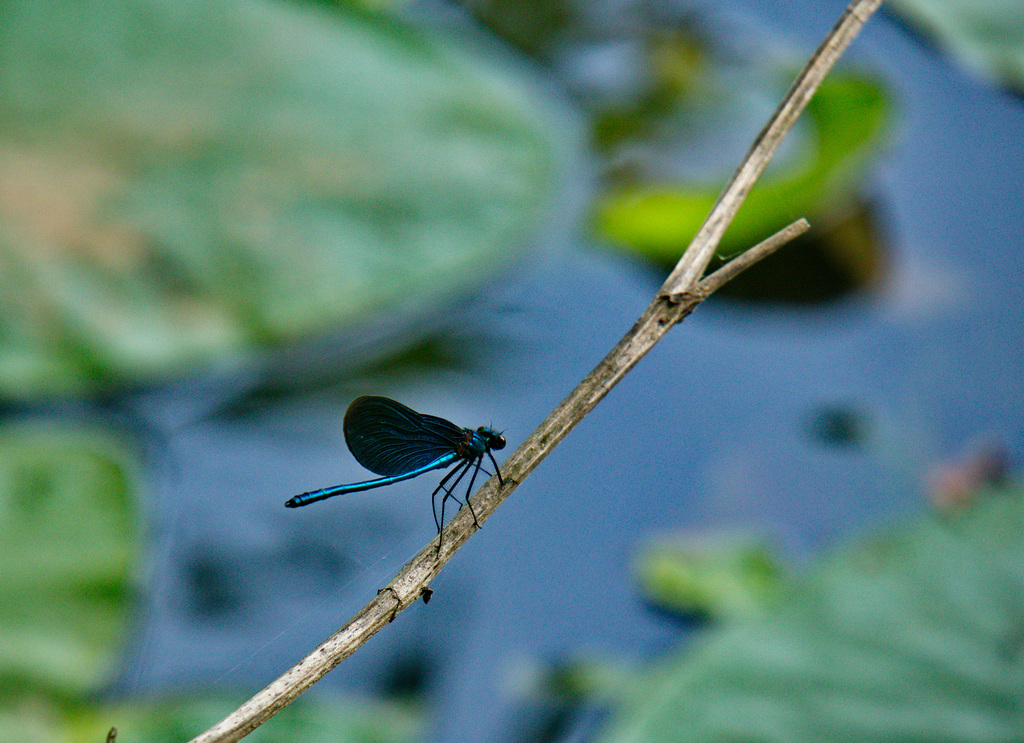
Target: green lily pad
846 116
180 720
724 575
69 538
181 184
915 634
986 36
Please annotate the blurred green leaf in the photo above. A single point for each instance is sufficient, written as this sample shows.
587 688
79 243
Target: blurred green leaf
916 634
183 183
846 116
986 36
172 721
68 541
724 575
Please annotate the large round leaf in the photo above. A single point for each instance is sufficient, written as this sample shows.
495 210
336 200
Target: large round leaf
916 634
68 541
181 182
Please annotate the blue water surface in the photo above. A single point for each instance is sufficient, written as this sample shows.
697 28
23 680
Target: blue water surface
711 431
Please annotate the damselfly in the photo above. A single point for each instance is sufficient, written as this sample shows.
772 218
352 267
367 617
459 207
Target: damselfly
398 443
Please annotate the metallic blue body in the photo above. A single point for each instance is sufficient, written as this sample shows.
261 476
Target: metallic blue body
355 487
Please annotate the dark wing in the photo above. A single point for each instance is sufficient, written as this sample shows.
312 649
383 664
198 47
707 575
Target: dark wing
389 438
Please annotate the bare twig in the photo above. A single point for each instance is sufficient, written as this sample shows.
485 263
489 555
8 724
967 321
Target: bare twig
748 258
679 295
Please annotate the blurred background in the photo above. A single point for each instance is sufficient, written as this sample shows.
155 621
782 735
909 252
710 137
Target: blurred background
222 221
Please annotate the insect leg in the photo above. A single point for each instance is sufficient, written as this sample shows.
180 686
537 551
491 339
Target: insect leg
469 490
449 490
459 470
501 483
